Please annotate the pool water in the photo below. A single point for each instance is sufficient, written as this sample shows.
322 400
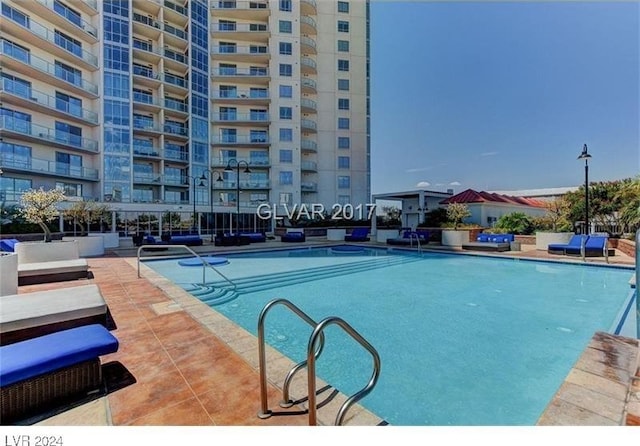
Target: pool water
463 340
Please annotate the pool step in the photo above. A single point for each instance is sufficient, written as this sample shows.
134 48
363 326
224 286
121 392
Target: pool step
223 292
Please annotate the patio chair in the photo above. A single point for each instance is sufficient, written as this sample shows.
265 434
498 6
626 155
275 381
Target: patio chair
358 235
595 246
293 237
575 243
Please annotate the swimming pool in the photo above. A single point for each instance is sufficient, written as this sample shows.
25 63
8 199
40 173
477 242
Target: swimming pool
464 340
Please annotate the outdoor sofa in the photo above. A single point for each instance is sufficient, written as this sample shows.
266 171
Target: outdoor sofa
293 237
490 242
40 262
358 235
409 238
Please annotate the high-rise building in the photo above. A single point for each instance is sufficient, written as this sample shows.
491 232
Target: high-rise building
149 105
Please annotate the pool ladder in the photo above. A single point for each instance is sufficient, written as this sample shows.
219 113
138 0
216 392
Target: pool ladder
314 349
413 234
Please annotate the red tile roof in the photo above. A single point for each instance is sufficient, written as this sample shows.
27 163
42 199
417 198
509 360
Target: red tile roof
472 196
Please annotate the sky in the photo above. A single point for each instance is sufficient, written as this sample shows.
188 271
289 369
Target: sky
503 95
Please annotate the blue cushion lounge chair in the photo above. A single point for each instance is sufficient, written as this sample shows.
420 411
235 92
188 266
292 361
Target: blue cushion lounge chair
575 244
293 237
8 244
40 373
491 242
595 246
358 235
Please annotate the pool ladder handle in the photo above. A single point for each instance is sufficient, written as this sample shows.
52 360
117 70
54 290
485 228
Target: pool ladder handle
415 234
204 262
314 349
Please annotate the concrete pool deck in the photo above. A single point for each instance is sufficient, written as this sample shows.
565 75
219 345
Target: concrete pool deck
180 363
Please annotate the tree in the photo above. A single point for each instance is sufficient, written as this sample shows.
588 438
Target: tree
83 213
557 214
40 207
456 212
391 216
629 196
515 223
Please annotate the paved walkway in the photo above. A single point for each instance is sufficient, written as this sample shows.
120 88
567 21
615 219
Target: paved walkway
192 366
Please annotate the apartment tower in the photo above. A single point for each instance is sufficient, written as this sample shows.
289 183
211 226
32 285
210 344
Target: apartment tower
191 108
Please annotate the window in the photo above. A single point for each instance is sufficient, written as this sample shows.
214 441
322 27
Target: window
67 73
286 91
68 104
16 51
286 48
68 43
344 162
286 134
344 142
15 85
258 114
228 135
344 123
343 26
227 48
144 96
285 5
286 69
68 164
286 177
69 134
15 155
286 155
343 7
257 136
343 46
285 26
116 85
343 84
343 65
12 188
286 113
68 13
344 182
15 15
343 104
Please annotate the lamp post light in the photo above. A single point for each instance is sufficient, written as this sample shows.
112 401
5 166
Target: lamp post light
202 179
585 156
229 168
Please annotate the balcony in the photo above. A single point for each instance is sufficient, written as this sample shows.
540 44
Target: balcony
241 9
25 130
253 119
175 60
176 155
253 53
146 26
176 107
176 130
175 36
146 178
309 187
308 25
308 106
235 140
146 127
46 39
16 93
308 145
175 84
308 66
47 168
308 7
146 151
146 76
308 125
308 45
223 161
248 97
244 184
176 13
254 32
308 166
80 29
309 86
143 50
143 102
24 62
89 7
253 75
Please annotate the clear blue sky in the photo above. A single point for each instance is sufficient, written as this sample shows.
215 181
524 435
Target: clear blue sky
503 95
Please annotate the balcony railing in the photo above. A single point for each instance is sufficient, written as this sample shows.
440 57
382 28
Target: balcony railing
175 130
249 72
241 117
145 72
308 124
309 104
180 33
244 184
309 166
309 83
145 20
176 80
307 144
17 53
174 55
48 167
232 27
309 42
49 35
251 50
176 155
11 124
308 187
74 20
240 139
145 125
19 89
253 161
245 94
176 7
174 104
239 4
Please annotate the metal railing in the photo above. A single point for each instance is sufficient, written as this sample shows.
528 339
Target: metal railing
637 283
315 347
205 264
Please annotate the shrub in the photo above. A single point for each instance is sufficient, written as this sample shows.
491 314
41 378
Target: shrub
515 223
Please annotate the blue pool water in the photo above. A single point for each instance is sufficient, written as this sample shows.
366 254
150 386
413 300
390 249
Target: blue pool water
463 340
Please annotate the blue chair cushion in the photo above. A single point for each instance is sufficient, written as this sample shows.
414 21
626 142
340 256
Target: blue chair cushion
8 244
38 356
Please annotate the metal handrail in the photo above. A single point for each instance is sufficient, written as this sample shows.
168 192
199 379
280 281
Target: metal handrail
264 404
204 263
411 235
311 366
637 283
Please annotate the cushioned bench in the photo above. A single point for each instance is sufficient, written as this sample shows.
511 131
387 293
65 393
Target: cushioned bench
41 373
254 237
8 244
293 237
29 315
40 262
491 242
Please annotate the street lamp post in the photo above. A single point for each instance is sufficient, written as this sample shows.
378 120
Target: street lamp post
585 156
202 179
229 168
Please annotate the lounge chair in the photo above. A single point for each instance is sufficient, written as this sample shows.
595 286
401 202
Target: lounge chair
573 247
594 246
39 374
50 262
293 237
358 235
29 315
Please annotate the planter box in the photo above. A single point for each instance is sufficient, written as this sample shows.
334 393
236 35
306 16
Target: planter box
9 274
110 239
88 246
383 234
544 239
454 238
336 234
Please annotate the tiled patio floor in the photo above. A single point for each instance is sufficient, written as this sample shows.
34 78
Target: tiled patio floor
191 365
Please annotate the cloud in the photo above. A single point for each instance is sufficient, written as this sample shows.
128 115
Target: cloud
489 154
455 183
418 169
423 184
